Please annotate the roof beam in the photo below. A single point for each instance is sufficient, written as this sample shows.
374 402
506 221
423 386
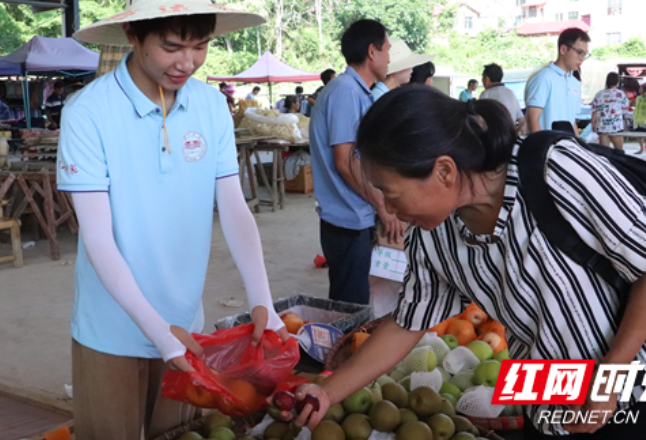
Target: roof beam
38 4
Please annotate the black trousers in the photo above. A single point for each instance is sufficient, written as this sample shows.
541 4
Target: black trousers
623 431
348 252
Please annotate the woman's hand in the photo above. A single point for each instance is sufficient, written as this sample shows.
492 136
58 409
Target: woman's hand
307 417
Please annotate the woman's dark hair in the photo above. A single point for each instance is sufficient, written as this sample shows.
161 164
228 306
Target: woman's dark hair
612 79
494 72
290 100
358 37
222 85
299 90
421 73
256 89
187 27
407 129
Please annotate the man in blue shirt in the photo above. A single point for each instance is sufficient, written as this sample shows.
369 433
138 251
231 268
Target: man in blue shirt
554 94
347 202
140 150
467 94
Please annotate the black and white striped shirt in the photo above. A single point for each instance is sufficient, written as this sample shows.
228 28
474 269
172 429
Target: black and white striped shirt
552 307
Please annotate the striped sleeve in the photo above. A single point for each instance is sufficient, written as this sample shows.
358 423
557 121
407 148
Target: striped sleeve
426 298
603 207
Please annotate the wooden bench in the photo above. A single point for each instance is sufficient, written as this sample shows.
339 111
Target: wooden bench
13 225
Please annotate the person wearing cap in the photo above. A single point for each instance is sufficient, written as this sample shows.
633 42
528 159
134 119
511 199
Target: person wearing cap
140 149
400 68
346 202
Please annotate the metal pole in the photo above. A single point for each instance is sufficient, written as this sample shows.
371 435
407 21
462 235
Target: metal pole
71 20
271 99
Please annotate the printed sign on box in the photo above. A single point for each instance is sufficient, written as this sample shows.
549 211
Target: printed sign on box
388 263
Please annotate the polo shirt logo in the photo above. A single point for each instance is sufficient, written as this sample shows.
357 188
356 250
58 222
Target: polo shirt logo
193 146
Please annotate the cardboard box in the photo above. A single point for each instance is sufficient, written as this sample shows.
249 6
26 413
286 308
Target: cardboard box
303 183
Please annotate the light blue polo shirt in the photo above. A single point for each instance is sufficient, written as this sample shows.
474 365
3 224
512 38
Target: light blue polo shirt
335 120
557 92
379 90
162 204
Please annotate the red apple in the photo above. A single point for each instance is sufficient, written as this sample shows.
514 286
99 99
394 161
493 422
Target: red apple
312 400
284 400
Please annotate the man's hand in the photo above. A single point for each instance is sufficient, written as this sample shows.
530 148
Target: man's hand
393 228
180 363
259 318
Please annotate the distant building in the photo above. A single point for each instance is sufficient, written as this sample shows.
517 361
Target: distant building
609 22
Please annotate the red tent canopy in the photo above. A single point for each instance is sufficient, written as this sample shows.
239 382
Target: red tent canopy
552 27
269 69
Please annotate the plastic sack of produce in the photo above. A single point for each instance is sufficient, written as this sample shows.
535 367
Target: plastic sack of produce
233 376
265 122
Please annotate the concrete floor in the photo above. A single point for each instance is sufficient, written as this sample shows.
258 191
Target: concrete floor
36 301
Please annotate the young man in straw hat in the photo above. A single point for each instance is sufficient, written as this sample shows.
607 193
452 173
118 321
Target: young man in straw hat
400 68
140 149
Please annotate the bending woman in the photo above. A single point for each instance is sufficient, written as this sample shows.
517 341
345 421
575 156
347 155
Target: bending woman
449 168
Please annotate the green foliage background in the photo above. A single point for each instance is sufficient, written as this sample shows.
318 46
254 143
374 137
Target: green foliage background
292 33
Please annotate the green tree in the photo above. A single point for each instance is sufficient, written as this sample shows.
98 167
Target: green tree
632 48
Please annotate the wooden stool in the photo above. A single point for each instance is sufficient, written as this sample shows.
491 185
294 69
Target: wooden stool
14 226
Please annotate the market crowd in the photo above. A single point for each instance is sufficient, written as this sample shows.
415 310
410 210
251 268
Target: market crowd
439 173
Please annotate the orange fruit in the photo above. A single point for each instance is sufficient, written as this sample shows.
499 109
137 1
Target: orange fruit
293 322
358 339
492 326
440 328
62 433
244 393
200 397
474 314
462 330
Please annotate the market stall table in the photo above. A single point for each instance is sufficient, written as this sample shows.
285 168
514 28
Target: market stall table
20 188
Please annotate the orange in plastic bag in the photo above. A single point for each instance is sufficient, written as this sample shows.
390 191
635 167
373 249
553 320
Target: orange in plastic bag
244 375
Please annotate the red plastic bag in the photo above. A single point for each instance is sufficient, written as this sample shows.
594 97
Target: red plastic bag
235 377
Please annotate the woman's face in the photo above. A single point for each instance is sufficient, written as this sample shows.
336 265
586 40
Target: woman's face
427 202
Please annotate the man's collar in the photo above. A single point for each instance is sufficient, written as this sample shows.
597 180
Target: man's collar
498 85
560 71
143 105
353 73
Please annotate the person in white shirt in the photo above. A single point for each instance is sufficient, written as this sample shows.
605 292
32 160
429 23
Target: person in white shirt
496 90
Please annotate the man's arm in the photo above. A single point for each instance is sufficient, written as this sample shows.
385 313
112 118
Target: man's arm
242 236
522 126
349 168
533 119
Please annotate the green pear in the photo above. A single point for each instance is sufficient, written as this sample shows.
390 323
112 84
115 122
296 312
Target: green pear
481 349
449 388
395 393
463 436
328 430
407 416
217 420
442 426
487 373
222 433
385 416
414 431
462 424
335 413
357 426
447 407
451 398
276 430
451 341
424 401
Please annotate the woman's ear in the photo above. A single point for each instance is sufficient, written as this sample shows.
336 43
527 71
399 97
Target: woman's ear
445 171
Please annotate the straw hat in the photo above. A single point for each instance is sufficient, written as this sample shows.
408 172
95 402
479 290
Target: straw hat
110 30
402 58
